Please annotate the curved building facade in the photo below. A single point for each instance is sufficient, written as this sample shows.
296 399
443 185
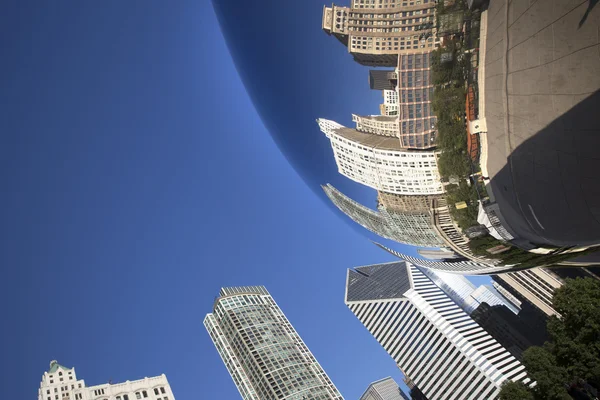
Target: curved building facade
410 228
380 162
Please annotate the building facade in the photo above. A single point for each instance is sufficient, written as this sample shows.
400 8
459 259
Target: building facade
536 285
376 31
383 389
409 228
436 344
380 162
262 351
458 266
415 96
439 254
377 124
61 383
390 103
464 293
509 329
402 203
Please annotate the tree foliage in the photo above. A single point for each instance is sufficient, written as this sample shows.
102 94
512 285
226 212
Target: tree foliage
570 361
576 335
515 391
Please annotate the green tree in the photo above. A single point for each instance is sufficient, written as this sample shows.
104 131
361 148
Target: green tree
551 378
572 356
576 335
515 391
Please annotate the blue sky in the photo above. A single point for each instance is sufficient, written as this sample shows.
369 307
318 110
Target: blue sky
140 179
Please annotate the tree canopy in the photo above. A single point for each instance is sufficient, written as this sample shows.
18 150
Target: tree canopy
570 362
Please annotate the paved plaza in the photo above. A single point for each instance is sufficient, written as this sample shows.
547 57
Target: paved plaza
542 106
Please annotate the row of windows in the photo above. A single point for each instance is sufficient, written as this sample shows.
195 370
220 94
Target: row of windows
386 4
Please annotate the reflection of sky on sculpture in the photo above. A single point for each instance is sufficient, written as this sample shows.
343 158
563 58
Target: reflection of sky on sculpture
294 73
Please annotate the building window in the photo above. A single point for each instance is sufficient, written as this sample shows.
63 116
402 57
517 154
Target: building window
155 391
144 393
138 395
162 390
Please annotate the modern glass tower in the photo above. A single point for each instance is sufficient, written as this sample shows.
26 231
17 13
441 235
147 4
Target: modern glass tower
262 351
432 340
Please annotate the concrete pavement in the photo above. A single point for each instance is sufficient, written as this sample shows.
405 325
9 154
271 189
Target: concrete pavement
542 106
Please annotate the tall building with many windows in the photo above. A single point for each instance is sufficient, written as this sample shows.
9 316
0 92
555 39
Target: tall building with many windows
262 351
412 228
435 343
383 389
536 285
61 383
376 31
381 163
390 103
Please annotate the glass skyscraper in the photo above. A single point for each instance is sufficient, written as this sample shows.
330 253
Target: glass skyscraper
262 351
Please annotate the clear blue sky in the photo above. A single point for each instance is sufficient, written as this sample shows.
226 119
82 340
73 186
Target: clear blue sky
139 179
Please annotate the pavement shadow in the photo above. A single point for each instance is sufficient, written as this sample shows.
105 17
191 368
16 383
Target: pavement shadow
549 190
591 5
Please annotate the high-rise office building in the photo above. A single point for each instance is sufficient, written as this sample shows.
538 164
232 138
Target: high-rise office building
536 285
464 293
383 389
415 96
262 351
383 79
381 163
61 383
390 103
412 228
511 330
376 31
435 343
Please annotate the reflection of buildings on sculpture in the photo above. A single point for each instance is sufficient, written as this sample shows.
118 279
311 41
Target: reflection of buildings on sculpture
381 163
401 203
437 254
262 351
409 227
376 32
404 310
465 267
390 103
415 124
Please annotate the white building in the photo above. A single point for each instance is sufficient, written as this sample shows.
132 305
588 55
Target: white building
262 351
379 162
437 345
414 228
383 389
377 124
390 102
61 383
